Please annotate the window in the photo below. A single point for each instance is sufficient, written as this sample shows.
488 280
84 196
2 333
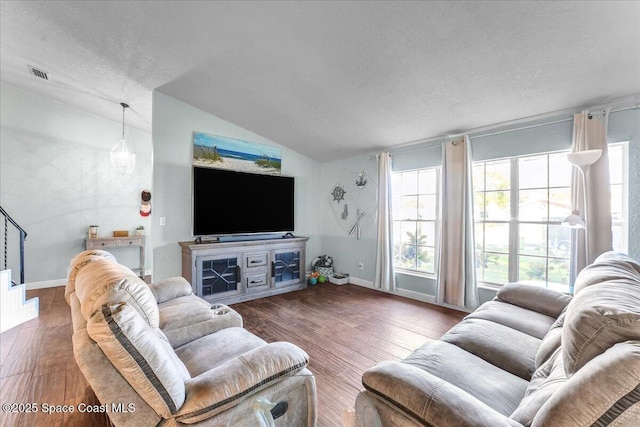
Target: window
518 206
415 219
618 168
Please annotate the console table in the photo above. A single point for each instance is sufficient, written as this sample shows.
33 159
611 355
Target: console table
230 272
115 242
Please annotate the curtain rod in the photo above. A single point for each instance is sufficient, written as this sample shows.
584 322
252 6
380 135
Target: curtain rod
486 128
543 124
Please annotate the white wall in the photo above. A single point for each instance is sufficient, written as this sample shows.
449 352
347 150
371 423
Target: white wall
173 125
56 180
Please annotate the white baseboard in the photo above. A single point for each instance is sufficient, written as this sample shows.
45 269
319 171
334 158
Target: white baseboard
431 299
361 282
45 284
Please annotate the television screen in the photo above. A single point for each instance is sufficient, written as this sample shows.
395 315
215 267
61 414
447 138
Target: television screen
228 202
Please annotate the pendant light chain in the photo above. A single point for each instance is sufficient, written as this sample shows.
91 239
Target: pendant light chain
124 106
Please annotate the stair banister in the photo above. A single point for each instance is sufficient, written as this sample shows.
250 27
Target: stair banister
23 236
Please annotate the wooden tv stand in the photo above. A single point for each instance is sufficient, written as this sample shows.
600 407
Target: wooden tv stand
230 272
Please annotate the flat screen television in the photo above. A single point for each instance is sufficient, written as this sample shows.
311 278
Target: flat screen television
227 202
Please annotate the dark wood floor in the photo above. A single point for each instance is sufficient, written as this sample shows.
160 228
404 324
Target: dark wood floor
344 329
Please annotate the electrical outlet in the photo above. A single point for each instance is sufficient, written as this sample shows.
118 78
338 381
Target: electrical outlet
163 220
360 265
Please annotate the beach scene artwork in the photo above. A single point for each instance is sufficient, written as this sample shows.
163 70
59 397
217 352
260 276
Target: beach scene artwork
221 152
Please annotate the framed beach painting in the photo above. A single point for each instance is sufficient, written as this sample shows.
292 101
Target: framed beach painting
222 152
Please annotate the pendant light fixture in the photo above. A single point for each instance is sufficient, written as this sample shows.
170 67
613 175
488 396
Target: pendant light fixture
123 160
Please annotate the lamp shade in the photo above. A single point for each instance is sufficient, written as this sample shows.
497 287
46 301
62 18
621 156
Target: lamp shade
574 220
123 160
584 158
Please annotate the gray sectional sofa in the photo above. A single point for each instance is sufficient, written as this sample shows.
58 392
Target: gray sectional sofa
159 355
531 356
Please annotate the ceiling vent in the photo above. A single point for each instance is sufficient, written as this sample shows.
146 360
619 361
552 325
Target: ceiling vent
38 73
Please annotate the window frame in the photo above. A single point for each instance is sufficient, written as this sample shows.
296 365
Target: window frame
436 223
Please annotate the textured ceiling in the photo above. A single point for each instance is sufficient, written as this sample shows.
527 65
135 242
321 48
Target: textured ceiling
328 79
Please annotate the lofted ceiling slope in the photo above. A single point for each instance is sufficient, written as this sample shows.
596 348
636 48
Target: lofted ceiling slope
328 79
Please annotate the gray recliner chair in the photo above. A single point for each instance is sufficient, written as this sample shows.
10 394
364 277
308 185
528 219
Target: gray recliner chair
165 353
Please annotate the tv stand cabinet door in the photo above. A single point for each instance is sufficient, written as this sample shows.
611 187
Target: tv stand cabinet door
218 276
287 266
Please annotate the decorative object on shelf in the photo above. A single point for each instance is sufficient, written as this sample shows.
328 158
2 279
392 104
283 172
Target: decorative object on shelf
93 231
122 159
323 265
358 191
140 231
221 152
339 278
120 233
145 204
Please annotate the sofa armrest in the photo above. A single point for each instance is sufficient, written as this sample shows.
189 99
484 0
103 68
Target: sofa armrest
171 288
225 386
542 300
428 398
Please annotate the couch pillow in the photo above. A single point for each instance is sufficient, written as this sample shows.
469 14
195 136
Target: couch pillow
598 317
103 282
142 355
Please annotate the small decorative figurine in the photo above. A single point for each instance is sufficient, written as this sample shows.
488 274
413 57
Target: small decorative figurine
145 205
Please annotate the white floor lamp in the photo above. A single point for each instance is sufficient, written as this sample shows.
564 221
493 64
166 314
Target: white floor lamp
581 160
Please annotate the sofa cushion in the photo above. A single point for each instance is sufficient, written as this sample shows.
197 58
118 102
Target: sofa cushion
606 391
547 379
188 318
551 342
515 317
171 288
506 348
542 300
103 282
142 355
598 317
213 350
489 384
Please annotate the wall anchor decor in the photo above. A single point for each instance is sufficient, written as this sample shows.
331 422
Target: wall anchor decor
358 191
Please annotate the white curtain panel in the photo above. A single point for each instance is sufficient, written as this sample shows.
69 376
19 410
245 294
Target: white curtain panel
589 133
384 277
456 284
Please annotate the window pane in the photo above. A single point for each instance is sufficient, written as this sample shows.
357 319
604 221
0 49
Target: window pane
396 184
559 203
407 257
479 237
533 239
498 175
408 232
617 238
532 205
478 206
532 269
426 259
558 274
409 207
496 237
559 170
427 181
532 172
616 203
478 177
497 205
409 183
427 207
559 241
496 268
615 164
426 234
